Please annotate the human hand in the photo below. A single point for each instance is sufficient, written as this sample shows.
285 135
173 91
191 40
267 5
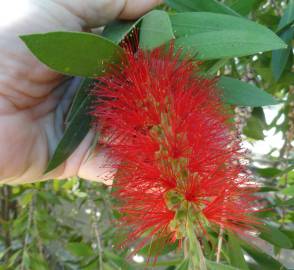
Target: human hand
32 107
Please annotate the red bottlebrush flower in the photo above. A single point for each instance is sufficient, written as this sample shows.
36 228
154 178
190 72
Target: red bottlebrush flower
176 150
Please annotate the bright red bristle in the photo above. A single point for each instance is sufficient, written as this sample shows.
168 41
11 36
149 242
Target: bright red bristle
174 144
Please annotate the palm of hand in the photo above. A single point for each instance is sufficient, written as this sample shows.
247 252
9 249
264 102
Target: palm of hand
32 107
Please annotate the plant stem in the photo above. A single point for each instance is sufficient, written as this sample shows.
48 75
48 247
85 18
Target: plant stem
96 231
27 234
5 216
196 257
219 244
287 148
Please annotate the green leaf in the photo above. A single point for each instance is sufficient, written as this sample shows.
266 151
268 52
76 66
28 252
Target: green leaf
183 265
92 265
287 203
80 249
77 129
81 94
287 176
255 125
265 261
288 191
213 36
117 30
26 259
73 53
218 64
156 29
290 234
13 258
191 23
254 128
274 236
158 247
268 172
288 16
78 110
38 263
166 263
244 94
201 5
280 57
235 253
218 266
117 260
48 197
243 7
26 198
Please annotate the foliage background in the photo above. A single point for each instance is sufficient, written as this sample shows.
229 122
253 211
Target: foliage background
69 224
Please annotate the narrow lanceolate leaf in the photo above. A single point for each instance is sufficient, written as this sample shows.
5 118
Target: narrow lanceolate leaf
183 265
156 29
213 36
264 261
235 253
77 129
73 53
218 266
270 172
241 93
117 30
117 260
254 128
190 23
201 5
288 16
243 7
280 57
289 232
158 247
288 203
81 94
80 249
274 236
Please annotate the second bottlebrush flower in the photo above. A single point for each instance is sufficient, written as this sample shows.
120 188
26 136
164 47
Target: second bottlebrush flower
178 157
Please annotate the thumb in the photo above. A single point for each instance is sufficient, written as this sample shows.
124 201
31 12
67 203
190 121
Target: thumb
97 167
94 13
84 162
134 9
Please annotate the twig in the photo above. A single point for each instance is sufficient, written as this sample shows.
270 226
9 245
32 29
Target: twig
186 248
287 148
38 238
27 234
95 226
5 217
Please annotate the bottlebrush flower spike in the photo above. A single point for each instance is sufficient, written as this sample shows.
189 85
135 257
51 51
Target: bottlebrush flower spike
177 153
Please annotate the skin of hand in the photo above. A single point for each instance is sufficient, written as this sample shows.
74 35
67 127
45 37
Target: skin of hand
32 106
